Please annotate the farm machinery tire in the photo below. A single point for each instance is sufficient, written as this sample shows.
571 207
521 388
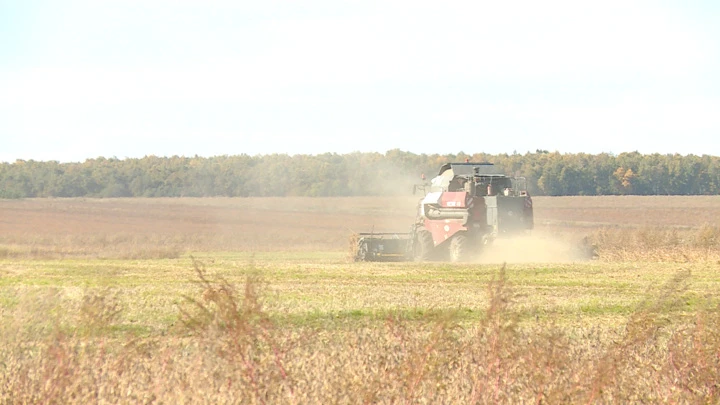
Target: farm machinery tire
459 248
424 246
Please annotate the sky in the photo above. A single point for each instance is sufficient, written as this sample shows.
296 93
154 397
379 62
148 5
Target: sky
127 78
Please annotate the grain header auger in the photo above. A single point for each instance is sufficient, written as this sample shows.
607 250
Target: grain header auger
467 206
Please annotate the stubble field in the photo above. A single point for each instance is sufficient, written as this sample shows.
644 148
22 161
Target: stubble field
612 299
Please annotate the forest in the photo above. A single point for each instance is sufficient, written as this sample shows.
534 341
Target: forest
353 174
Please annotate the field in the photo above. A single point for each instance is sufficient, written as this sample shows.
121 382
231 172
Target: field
612 299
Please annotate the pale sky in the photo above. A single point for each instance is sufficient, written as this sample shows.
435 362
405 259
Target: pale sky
125 78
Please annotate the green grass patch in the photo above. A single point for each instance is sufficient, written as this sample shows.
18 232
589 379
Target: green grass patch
306 287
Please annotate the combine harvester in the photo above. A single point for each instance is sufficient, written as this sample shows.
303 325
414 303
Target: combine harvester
467 207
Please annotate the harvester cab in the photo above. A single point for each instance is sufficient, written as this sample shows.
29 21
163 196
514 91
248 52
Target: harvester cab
467 207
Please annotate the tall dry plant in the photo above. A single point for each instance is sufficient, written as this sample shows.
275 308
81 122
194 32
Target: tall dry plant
229 349
241 334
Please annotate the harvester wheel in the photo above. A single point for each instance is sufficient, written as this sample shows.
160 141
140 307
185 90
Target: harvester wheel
459 248
424 246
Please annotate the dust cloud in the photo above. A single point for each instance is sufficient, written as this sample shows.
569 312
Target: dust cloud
536 248
393 181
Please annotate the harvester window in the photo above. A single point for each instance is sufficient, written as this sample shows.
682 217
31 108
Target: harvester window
503 185
457 184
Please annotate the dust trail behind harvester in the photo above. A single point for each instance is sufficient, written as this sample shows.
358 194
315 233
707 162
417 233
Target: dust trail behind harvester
535 248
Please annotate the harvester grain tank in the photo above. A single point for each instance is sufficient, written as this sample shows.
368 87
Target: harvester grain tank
467 206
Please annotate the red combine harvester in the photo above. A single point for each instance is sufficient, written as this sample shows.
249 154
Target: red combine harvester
467 207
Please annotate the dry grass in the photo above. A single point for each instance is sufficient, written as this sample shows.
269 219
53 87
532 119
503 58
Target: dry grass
228 348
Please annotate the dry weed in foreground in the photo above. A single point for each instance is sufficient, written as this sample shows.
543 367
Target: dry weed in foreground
228 349
242 337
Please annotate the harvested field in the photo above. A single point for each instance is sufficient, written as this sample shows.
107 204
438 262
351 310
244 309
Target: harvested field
628 211
254 301
214 224
128 227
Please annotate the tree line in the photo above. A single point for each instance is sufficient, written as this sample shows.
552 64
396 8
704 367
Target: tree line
353 174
